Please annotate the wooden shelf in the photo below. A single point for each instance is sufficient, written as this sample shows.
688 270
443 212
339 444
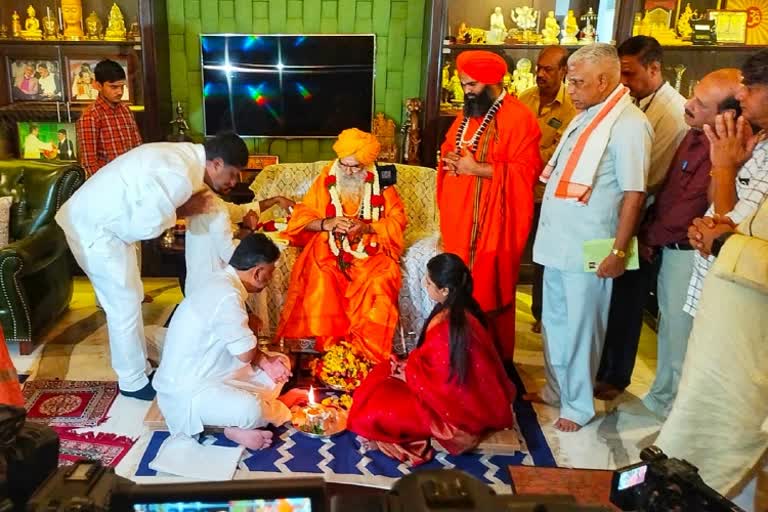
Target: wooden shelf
533 46
61 42
50 106
714 48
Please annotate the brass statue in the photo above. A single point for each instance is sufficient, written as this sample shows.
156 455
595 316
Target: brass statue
50 28
384 130
684 22
445 83
3 31
116 25
135 32
571 28
413 136
72 14
456 89
31 26
93 27
551 30
15 25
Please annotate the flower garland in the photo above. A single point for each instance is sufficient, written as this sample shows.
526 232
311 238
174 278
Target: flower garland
342 367
371 209
473 142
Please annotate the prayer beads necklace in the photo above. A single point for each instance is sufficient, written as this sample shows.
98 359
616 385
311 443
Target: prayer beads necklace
472 143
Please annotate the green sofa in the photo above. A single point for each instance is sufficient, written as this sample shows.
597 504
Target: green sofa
35 268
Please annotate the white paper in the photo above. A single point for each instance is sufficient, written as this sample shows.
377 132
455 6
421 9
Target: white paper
183 456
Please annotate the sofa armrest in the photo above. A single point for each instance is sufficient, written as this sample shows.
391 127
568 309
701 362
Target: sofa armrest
34 252
51 190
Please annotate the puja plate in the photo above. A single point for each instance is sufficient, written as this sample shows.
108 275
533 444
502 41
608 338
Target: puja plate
341 425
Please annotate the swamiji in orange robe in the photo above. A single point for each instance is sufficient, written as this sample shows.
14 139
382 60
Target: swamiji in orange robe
346 281
10 390
490 163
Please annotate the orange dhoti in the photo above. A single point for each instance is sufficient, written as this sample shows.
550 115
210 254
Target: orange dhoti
358 304
486 221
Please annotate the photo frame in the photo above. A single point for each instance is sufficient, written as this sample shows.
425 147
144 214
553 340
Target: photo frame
47 140
81 78
35 79
730 25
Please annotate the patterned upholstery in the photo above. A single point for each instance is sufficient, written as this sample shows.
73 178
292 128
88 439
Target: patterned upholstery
5 220
416 186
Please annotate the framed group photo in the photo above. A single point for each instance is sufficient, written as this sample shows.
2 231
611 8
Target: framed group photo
47 141
81 77
35 79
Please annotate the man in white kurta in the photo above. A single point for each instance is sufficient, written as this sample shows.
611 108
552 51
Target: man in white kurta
719 421
136 197
211 372
607 204
209 242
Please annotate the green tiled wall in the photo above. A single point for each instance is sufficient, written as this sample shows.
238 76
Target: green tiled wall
398 25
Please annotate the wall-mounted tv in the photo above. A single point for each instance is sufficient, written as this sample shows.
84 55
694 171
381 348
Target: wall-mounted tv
287 85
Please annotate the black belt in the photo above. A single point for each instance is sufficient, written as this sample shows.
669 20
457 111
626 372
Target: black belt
682 246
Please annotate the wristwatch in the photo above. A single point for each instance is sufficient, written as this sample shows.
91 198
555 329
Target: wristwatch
719 242
618 252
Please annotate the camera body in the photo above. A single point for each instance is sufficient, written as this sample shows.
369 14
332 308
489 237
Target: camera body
659 483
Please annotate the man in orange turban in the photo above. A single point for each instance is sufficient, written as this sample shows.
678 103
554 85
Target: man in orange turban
489 164
345 283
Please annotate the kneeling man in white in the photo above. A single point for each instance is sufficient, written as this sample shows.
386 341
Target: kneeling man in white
211 372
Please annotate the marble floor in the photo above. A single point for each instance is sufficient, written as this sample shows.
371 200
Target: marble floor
76 348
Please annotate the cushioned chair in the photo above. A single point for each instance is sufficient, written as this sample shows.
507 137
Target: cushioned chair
35 268
416 186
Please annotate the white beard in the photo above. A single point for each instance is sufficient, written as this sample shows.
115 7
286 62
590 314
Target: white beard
351 187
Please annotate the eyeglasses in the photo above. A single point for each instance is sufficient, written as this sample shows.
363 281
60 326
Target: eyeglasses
349 167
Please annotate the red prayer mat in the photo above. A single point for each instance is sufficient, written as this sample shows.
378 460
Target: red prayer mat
587 486
68 403
109 449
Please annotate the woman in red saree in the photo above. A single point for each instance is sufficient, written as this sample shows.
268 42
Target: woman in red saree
452 388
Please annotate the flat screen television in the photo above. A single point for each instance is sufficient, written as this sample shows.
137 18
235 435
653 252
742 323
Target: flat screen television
287 85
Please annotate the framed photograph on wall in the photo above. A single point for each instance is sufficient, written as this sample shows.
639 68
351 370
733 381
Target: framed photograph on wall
47 140
35 79
81 79
730 25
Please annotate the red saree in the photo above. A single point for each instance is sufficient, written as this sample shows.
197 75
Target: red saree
402 415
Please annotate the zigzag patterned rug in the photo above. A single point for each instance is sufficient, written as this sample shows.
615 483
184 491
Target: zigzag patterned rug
339 458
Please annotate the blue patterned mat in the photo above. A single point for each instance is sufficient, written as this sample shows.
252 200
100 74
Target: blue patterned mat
293 452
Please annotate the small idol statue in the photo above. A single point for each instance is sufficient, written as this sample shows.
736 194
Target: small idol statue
134 33
684 22
525 18
551 30
116 25
498 32
588 32
50 27
31 26
571 29
457 89
15 25
522 78
3 31
94 29
72 14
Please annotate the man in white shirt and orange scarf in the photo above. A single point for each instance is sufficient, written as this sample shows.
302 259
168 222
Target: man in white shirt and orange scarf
595 190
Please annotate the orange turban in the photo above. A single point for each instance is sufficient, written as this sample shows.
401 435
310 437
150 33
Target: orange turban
483 66
362 145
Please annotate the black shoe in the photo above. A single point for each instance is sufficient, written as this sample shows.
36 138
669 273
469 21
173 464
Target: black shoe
146 393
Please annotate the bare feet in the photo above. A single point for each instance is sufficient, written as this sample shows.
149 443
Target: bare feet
250 438
564 425
536 327
606 392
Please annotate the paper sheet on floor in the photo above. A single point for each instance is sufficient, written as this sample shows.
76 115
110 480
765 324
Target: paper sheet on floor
184 456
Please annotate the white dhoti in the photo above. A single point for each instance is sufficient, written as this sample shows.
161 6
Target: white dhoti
112 267
574 318
722 401
234 402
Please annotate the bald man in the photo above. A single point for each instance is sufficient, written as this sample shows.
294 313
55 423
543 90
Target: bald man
551 104
595 191
664 233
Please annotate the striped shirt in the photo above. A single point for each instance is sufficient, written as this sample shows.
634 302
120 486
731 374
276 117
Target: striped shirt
751 190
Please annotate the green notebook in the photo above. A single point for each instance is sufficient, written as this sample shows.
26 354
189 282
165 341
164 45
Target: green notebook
595 251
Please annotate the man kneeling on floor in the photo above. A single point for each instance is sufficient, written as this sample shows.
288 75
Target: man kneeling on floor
211 372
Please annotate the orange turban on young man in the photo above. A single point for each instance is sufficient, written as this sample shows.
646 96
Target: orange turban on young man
362 145
484 66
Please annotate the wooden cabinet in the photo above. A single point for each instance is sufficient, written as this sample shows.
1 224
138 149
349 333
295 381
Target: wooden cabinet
146 60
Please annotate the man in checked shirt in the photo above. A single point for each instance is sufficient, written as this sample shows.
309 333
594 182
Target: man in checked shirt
107 128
